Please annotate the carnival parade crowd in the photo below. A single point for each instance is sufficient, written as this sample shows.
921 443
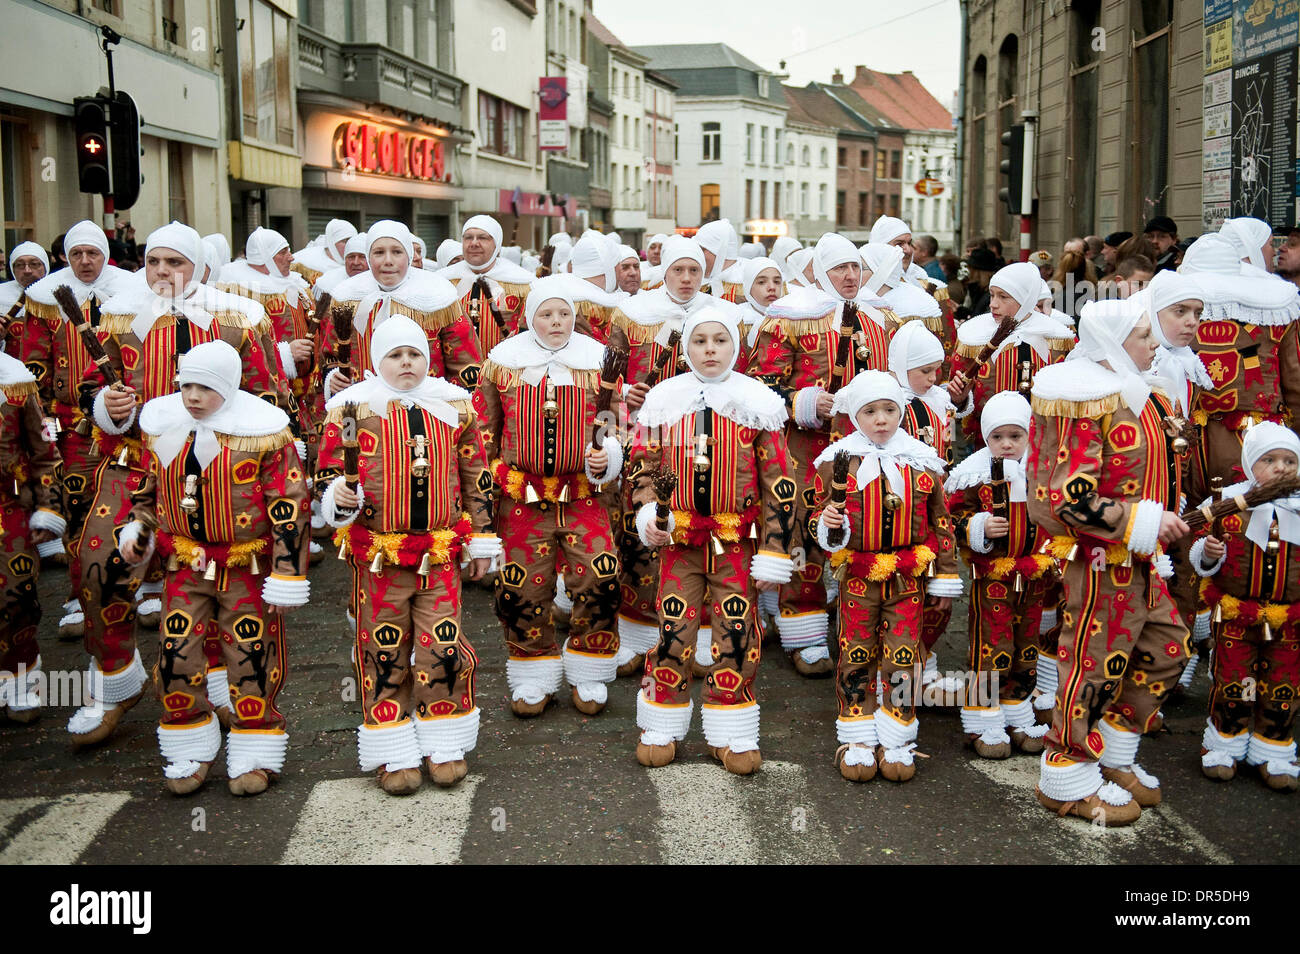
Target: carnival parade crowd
668 456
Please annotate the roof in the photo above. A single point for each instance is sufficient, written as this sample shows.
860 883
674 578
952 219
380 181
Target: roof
901 98
850 101
811 106
695 56
605 37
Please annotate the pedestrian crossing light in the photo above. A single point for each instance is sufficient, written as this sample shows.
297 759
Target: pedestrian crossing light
1013 168
93 160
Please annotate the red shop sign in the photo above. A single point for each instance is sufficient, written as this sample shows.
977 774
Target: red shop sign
366 147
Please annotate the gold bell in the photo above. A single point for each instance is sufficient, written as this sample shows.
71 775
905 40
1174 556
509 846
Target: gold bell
419 466
173 564
343 550
253 568
1268 632
701 461
718 547
1074 552
1217 617
122 457
473 310
1128 560
1180 445
211 572
425 563
530 494
550 407
190 503
377 564
1019 585
753 531
563 496
893 501
931 571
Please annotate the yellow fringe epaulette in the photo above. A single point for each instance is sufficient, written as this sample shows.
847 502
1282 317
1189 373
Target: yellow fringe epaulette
506 378
20 392
428 320
798 327
334 415
308 273
1062 345
256 445
516 289
465 409
932 323
234 318
637 334
1059 407
234 288
940 293
48 312
116 323
968 351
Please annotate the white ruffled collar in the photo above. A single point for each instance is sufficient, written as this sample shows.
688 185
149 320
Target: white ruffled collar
13 372
911 301
525 353
1035 330
170 424
1252 296
433 394
977 469
903 448
239 273
737 397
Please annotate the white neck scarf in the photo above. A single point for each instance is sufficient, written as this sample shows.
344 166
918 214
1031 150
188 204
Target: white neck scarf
885 458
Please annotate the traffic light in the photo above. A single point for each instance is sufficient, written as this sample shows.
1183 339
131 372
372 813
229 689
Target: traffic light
125 136
93 152
1012 167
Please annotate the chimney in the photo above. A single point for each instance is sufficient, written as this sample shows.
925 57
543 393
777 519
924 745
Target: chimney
863 75
837 78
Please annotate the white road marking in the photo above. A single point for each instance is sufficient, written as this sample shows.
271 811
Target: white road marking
63 832
1095 844
709 816
337 825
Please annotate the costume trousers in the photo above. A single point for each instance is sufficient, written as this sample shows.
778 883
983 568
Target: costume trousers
1121 650
803 600
1004 634
230 610
1255 679
412 655
688 577
538 540
21 606
108 584
880 645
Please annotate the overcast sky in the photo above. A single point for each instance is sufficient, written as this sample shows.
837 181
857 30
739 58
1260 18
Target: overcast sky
814 37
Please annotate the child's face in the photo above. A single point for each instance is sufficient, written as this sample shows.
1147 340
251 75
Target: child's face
1009 440
1141 344
1179 321
1002 305
553 322
1276 464
923 378
766 287
201 401
711 349
403 368
879 420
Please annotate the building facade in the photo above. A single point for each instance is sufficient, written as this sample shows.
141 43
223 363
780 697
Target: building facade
660 153
730 128
629 135
168 63
1118 87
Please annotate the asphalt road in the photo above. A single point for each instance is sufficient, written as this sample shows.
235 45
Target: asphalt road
567 788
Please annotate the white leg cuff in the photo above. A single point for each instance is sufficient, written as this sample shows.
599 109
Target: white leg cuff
1232 747
769 602
246 751
582 669
798 632
1201 627
704 646
857 730
110 689
1047 621
21 690
1279 757
1189 671
185 746
1121 747
671 722
1069 783
988 724
898 738
448 738
532 680
1048 678
219 688
147 590
388 746
734 727
640 638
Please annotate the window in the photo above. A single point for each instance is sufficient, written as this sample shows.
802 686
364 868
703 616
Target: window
895 164
636 134
864 208
627 138
762 200
177 207
267 97
762 145
710 200
907 211
803 198
880 204
825 157
839 208
1151 81
864 158
776 200
762 85
712 142
979 143
627 85
749 142
789 154
882 158
841 157
806 156
16 181
749 198
893 205
1008 71
636 87
821 200
675 138
501 126
910 167
1084 129
173 30
776 147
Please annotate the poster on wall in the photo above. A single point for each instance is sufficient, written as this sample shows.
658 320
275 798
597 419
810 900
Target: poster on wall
1263 137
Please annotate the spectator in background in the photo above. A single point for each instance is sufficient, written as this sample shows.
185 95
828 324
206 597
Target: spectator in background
1109 251
1043 259
1162 233
57 258
1132 274
925 252
994 245
980 266
1288 256
1074 245
1093 244
1076 279
1133 246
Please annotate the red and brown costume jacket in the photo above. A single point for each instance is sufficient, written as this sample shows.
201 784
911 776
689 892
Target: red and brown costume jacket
973 497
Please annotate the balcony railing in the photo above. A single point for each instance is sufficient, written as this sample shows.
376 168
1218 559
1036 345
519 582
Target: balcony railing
373 73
